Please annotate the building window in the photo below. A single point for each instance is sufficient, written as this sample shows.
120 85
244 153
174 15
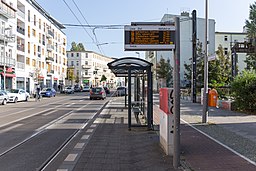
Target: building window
72 63
86 55
28 15
28 31
72 55
85 72
27 61
86 62
34 20
34 32
28 47
226 51
40 25
77 63
77 54
225 38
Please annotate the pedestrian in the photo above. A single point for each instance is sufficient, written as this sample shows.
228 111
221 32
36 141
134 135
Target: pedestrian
38 90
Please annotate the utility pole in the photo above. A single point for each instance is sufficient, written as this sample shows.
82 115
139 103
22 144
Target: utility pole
205 96
194 38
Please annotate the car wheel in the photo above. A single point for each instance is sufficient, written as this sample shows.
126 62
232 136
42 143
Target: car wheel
4 102
26 99
90 98
16 100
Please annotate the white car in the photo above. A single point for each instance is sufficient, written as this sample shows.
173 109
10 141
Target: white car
16 95
4 98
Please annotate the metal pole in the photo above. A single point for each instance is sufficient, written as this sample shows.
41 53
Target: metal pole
205 96
194 37
4 63
176 143
129 99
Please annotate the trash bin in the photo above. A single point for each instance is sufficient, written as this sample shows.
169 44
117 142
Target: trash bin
213 98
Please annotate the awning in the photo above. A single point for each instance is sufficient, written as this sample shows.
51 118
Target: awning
40 77
55 78
8 75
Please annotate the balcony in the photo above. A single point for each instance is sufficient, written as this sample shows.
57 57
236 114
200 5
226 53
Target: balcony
86 66
50 72
50 47
7 10
9 62
49 59
20 30
50 34
86 76
20 65
71 67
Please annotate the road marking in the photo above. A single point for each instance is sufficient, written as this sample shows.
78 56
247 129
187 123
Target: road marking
215 140
9 128
49 113
89 130
71 157
62 169
93 125
79 145
85 137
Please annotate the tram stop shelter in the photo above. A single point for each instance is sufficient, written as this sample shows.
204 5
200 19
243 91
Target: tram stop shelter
140 70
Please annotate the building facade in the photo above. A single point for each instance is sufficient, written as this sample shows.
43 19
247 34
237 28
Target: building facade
227 41
87 68
7 43
185 44
35 46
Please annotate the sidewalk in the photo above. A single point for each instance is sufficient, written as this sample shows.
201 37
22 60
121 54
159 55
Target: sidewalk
111 146
231 145
108 145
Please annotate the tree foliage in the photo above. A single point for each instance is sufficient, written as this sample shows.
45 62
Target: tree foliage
77 47
199 66
103 78
164 71
244 91
220 69
250 25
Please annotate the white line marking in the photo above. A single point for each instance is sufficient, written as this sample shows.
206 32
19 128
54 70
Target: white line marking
9 128
85 137
49 113
62 169
71 157
89 130
79 145
240 155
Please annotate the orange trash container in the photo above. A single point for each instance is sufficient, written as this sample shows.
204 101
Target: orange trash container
213 98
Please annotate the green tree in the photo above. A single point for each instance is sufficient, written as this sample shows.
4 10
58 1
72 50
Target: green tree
77 47
243 89
220 69
199 66
250 25
103 78
164 71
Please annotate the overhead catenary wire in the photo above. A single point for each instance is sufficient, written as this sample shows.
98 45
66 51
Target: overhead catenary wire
81 23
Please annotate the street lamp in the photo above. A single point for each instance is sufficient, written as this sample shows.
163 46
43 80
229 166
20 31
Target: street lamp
205 96
5 29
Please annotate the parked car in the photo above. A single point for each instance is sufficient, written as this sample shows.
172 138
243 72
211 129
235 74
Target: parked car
77 88
86 89
69 90
97 93
16 95
120 91
4 98
48 92
106 90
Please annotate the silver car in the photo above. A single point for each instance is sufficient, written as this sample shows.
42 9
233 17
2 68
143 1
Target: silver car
4 98
97 93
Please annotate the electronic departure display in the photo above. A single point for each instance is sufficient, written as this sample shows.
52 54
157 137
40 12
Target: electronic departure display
149 37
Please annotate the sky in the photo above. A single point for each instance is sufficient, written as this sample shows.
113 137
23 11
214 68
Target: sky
229 15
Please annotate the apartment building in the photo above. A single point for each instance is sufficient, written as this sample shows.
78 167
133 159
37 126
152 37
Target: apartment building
7 43
227 40
36 52
185 44
87 69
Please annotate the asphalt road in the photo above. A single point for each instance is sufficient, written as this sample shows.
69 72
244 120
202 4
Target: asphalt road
33 134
